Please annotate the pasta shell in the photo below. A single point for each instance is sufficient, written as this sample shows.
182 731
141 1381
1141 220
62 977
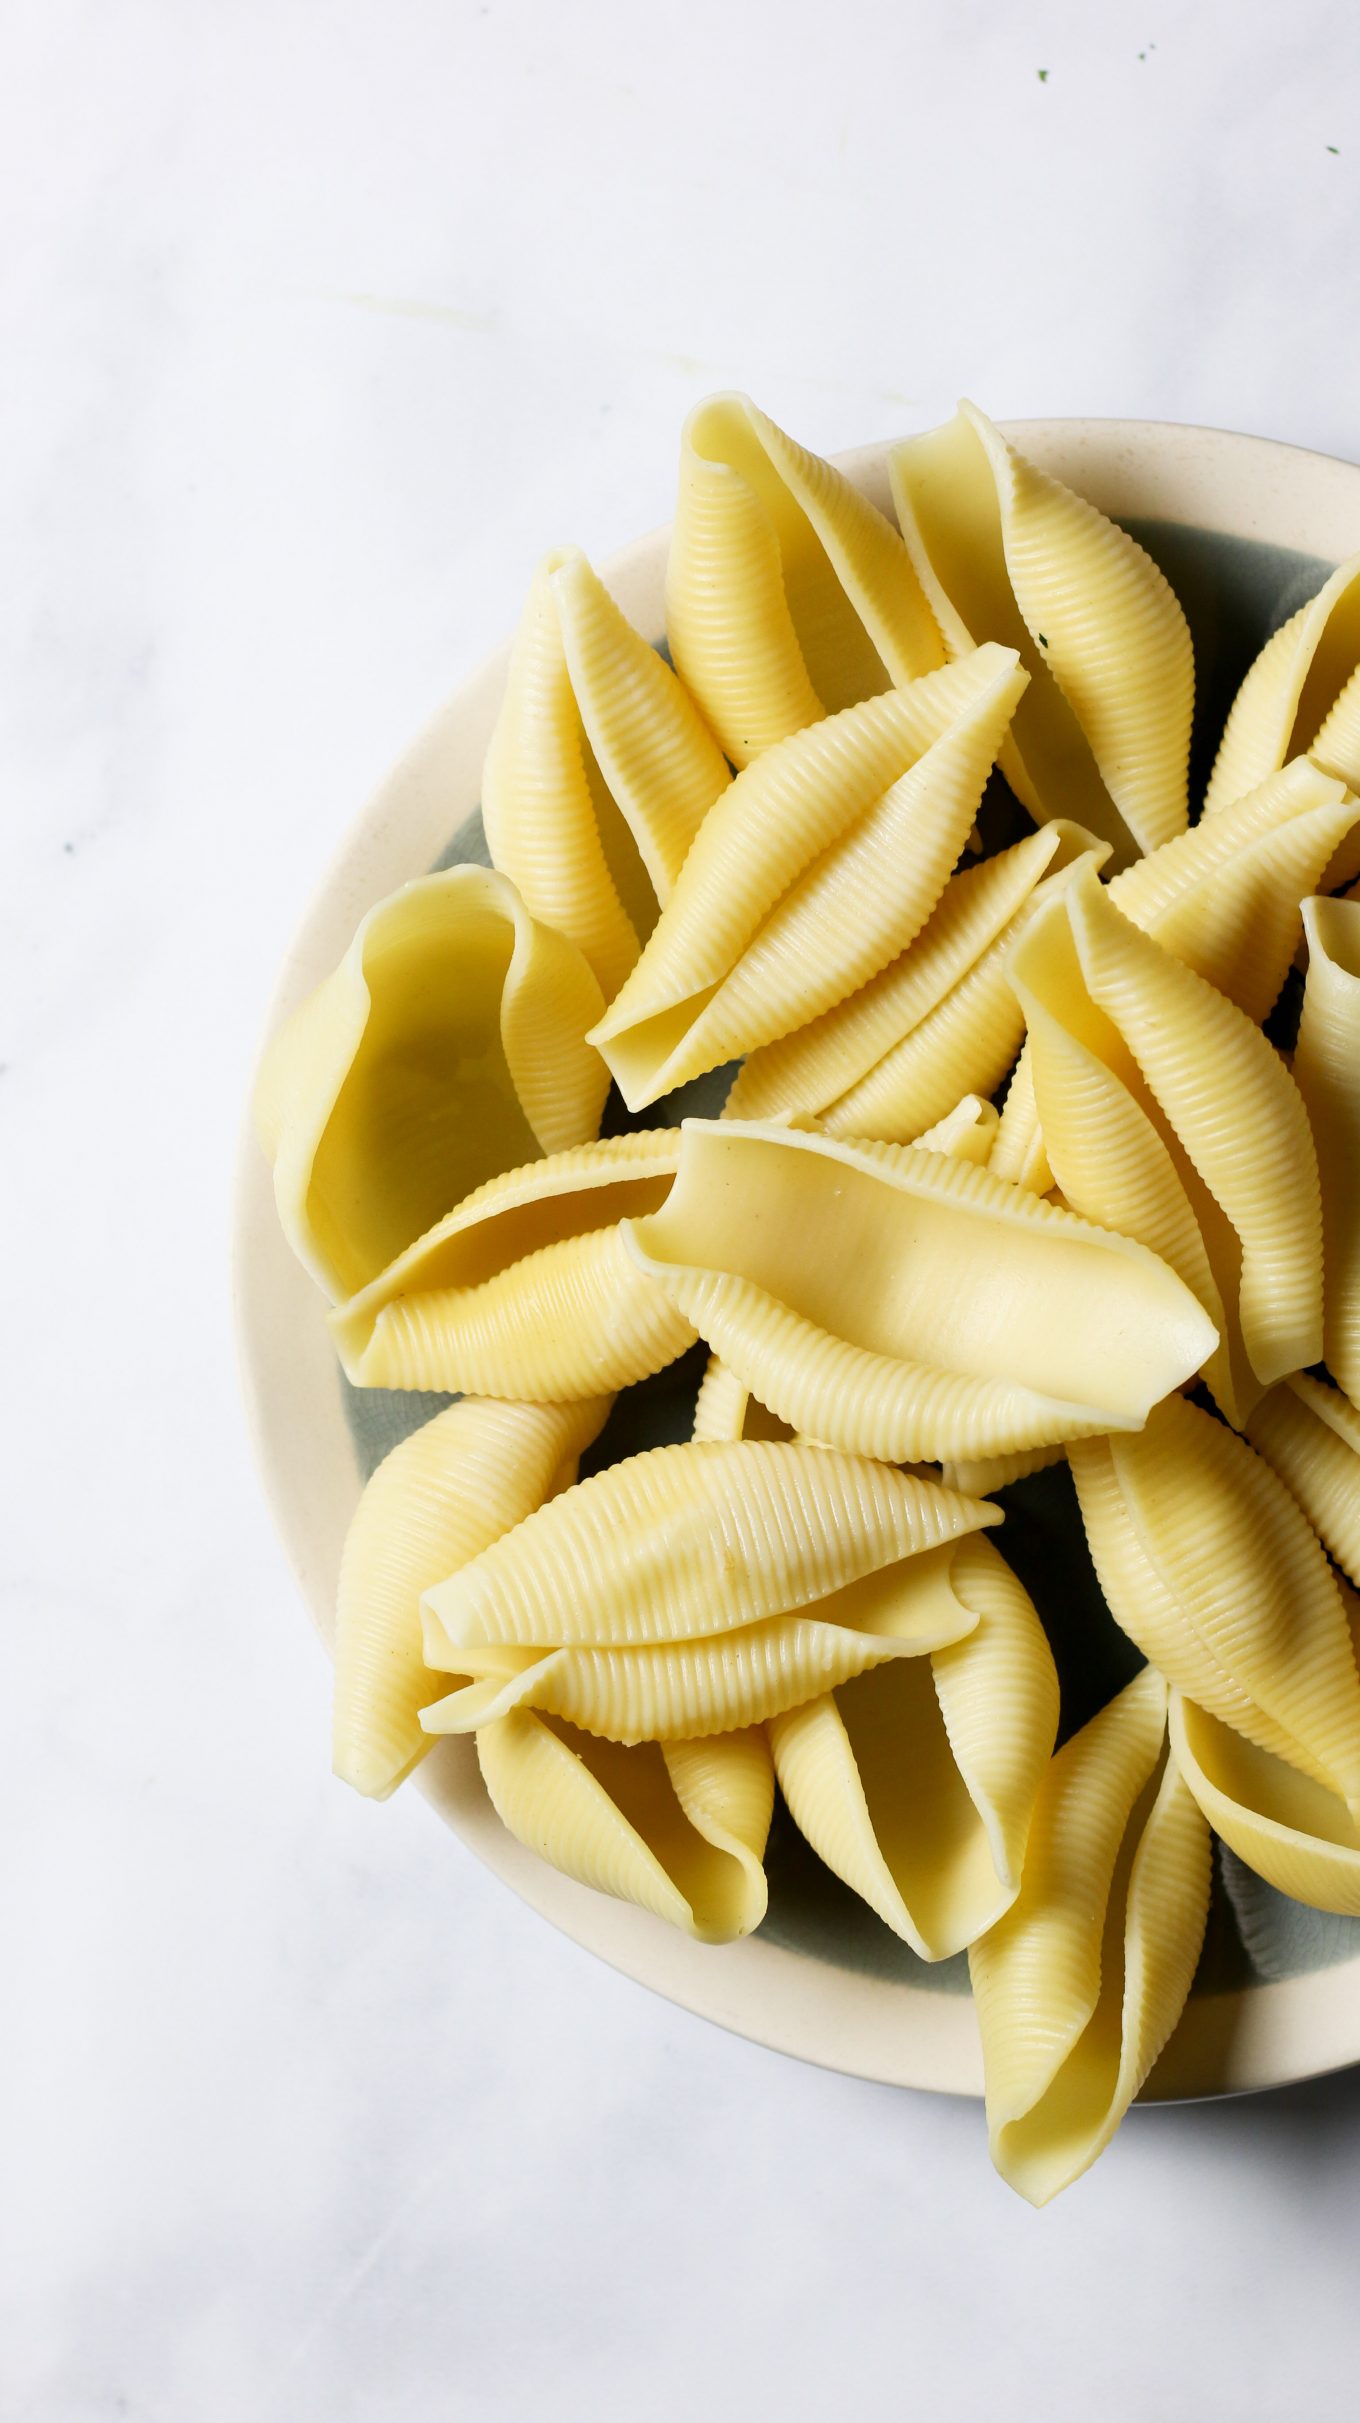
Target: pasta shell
938 1022
1287 1828
915 1783
1004 553
983 1476
527 1289
788 595
1310 1435
1079 1986
680 1829
1292 697
1212 1569
1327 1072
726 1409
839 1281
599 771
966 1133
819 864
449 1044
1018 1148
444 1494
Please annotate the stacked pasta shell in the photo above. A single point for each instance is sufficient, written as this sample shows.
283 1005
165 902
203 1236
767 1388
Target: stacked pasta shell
1011 1172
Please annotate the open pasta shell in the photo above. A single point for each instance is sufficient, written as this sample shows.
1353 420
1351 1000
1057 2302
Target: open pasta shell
1079 1985
1005 553
526 1290
1327 1072
443 1495
816 868
1284 1826
599 771
1300 694
1207 1562
448 1045
915 1783
839 1281
679 1828
1310 1435
788 595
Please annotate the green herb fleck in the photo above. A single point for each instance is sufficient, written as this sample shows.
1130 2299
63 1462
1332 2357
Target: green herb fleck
1335 150
1042 74
1042 641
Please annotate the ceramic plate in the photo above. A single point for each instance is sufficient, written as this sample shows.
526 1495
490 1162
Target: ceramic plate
1244 530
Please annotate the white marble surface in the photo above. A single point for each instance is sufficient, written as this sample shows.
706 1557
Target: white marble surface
319 323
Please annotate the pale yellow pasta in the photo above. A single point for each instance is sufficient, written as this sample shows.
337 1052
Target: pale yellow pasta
819 864
1300 1837
1079 1986
1310 1434
1018 1150
599 771
788 595
966 1133
937 1022
449 1044
1005 553
726 1409
841 1282
915 1782
526 1289
982 1476
678 1828
441 1496
1327 1071
1298 695
1207 1562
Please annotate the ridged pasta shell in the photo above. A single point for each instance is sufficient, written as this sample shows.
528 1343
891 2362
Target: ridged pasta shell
788 595
449 1044
938 1022
1079 1986
440 1497
1292 1831
726 1409
599 771
1005 553
679 1828
965 1134
1226 897
1327 1073
1310 1435
526 1290
1291 699
820 863
1210 1566
1018 1147
915 1783
839 1280
982 1476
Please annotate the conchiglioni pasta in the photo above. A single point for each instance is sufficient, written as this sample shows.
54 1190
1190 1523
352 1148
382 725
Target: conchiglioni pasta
1301 1837
938 1022
677 1827
1080 1984
526 1289
1300 694
788 595
599 771
448 1045
440 1497
915 1782
840 1281
815 869
1006 553
1310 1434
1327 1071
1211 1567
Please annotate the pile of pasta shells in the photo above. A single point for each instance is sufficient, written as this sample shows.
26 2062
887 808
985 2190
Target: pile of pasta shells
1009 1171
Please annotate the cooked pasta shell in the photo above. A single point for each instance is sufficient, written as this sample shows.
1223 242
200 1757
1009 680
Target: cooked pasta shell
449 1044
1018 1147
679 1828
1226 897
526 1290
726 1409
915 1783
693 1540
1294 696
1006 553
982 1476
1213 1570
1327 1071
966 1133
1289 1829
1310 1435
440 1497
1079 1986
599 771
840 1281
819 864
788 595
938 1022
